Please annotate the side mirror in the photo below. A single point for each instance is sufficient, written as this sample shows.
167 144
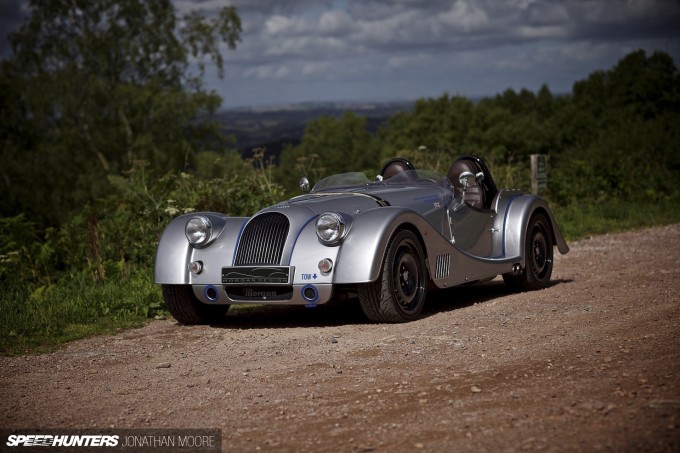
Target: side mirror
304 184
465 178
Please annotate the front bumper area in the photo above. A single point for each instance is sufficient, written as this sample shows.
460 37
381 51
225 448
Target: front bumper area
298 294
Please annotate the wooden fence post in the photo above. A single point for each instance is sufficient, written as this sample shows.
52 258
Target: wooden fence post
539 173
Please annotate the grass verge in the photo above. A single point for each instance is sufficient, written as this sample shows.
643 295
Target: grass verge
40 319
579 220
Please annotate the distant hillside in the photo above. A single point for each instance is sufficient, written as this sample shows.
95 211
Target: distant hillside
273 128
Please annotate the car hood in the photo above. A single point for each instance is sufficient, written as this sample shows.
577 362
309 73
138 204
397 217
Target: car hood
344 202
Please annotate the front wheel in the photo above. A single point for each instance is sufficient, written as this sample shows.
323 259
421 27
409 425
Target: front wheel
538 257
187 309
399 294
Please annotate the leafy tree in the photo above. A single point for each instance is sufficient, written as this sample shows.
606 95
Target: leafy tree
440 124
94 86
618 126
639 86
329 146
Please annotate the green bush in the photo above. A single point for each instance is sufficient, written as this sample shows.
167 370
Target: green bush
95 272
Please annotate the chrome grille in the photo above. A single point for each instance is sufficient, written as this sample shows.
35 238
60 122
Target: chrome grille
262 240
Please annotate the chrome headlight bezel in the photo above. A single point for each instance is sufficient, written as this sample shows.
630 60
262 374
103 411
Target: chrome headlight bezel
198 231
331 228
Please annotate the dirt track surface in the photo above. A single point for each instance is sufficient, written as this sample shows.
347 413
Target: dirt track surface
591 363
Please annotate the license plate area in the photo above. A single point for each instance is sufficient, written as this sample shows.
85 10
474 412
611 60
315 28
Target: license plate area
257 275
259 293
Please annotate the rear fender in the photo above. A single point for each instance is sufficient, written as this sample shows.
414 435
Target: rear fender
519 213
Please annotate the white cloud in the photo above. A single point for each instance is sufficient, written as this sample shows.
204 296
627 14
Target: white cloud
549 13
282 25
393 29
411 61
543 32
335 22
465 16
307 46
316 69
267 72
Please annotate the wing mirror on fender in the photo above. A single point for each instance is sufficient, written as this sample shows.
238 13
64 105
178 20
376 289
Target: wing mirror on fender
304 184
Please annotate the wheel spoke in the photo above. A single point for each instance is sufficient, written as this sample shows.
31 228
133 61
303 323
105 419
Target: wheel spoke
406 277
539 261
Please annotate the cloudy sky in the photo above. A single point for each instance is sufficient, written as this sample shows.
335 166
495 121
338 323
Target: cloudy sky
379 50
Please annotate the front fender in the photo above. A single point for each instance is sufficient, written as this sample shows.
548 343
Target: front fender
519 214
362 252
174 252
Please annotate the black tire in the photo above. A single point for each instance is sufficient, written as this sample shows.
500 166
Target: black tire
399 294
187 309
538 252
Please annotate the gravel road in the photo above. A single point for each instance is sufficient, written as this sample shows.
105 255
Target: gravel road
590 363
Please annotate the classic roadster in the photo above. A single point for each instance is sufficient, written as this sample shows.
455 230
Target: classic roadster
386 241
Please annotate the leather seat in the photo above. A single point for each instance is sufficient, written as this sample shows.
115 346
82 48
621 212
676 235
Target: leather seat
474 194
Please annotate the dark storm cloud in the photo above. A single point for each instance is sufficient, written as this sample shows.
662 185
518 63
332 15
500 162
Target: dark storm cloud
380 49
247 7
608 20
318 30
479 24
410 48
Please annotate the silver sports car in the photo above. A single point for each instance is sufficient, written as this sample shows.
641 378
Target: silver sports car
386 241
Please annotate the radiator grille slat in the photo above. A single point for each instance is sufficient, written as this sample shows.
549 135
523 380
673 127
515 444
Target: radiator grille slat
263 240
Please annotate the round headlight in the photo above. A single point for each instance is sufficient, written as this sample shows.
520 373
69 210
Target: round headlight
198 230
330 227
